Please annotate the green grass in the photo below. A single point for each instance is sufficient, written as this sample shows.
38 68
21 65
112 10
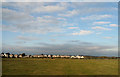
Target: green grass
34 66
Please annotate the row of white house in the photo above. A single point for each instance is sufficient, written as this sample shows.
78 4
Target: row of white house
57 56
8 55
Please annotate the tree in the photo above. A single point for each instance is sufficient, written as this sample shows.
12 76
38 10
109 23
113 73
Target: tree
23 54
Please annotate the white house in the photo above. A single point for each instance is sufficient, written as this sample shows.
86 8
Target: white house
45 56
35 56
11 55
20 56
49 56
27 56
40 56
2 55
78 56
72 57
54 56
82 57
6 55
16 56
57 56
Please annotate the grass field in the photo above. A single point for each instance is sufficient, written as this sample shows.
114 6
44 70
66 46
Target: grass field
34 66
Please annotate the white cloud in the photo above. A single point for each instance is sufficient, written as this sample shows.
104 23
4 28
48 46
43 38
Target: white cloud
113 25
25 38
59 18
100 28
73 27
15 17
41 7
99 33
20 18
23 22
82 32
49 9
96 17
89 10
100 23
108 37
70 13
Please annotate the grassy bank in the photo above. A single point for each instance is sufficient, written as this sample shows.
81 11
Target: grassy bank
34 66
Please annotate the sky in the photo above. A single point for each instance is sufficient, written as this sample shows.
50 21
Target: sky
66 28
60 0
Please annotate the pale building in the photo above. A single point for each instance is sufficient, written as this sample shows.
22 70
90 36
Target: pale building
16 56
2 55
35 56
6 55
11 55
27 56
82 57
54 56
45 56
72 57
20 56
49 56
40 56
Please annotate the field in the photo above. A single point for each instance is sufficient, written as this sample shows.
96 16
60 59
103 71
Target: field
35 66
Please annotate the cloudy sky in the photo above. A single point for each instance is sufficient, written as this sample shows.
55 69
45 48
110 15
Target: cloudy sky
60 0
78 28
